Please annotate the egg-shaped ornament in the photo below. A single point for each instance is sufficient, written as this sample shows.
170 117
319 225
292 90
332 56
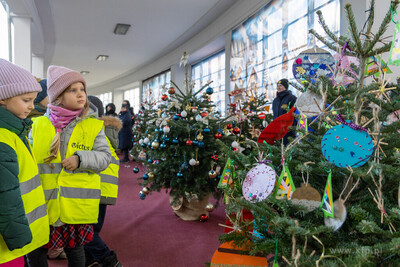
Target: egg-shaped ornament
198 118
259 183
307 196
347 144
146 140
340 215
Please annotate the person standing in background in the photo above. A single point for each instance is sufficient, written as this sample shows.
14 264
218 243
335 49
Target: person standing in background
283 102
125 135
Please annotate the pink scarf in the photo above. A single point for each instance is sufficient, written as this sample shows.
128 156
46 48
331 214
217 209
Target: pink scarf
61 117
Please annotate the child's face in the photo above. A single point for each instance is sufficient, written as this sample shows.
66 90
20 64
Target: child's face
20 105
74 97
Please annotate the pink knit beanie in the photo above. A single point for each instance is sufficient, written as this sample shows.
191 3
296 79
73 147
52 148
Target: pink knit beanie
15 80
59 78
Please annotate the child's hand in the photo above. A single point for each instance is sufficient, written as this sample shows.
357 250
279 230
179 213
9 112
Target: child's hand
71 163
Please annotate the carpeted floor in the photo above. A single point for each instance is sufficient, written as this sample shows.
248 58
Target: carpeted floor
147 233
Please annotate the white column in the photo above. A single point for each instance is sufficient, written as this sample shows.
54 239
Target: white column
22 41
37 66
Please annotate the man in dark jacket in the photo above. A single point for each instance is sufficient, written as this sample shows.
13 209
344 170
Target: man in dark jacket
125 135
283 101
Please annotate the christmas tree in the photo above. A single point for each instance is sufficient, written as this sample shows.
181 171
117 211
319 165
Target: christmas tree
182 152
333 199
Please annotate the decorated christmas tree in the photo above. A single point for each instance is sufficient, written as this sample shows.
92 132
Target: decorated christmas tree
331 197
182 152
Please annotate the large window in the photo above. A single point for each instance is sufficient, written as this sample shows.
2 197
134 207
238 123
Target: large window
106 98
264 47
5 32
133 97
212 70
152 88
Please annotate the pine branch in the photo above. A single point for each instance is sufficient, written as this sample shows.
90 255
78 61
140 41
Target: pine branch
371 16
379 51
177 88
323 40
327 30
353 27
381 31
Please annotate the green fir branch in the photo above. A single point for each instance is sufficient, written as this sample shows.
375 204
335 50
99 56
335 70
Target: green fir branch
323 40
353 27
381 31
379 50
371 17
177 88
327 30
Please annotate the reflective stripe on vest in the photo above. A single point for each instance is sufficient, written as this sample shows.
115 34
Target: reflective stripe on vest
72 197
32 197
109 179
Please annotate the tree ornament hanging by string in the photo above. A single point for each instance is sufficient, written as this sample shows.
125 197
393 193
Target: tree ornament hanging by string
259 182
347 144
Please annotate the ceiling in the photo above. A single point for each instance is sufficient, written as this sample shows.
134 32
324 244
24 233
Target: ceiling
73 33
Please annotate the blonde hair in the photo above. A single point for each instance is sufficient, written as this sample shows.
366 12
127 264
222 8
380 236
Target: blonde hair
55 144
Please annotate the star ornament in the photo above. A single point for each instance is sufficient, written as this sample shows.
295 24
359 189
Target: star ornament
382 87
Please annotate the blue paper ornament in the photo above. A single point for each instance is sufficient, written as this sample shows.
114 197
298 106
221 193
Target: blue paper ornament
345 146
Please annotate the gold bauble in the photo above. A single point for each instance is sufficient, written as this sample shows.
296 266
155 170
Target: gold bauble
151 175
209 207
197 163
155 145
200 137
146 190
191 118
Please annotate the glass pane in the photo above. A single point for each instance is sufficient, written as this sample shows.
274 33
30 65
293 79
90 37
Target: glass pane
275 45
318 3
296 9
275 21
297 33
4 49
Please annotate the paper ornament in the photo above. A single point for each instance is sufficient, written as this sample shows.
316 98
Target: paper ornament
142 155
277 129
312 63
375 65
230 255
327 201
394 55
347 145
307 196
259 183
309 104
340 215
227 174
285 186
343 65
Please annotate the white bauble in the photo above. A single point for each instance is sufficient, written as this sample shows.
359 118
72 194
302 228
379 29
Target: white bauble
166 129
235 144
146 140
141 141
183 114
192 162
198 118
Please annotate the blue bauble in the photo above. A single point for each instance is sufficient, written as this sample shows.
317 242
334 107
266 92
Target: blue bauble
163 145
200 144
176 117
179 174
345 146
142 196
144 145
209 91
150 161
206 130
175 141
195 142
136 170
145 176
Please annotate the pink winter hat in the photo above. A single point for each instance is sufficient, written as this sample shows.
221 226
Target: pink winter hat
15 80
59 78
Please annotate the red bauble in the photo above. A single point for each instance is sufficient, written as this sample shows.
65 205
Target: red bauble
262 116
203 218
203 114
218 135
164 97
229 126
171 90
189 142
214 157
236 130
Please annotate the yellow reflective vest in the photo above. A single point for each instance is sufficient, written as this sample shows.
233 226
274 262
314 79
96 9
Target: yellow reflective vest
109 179
73 197
32 198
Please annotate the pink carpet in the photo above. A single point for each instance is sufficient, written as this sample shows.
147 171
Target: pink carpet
147 233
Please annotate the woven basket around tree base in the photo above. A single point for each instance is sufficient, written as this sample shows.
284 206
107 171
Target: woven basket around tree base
189 207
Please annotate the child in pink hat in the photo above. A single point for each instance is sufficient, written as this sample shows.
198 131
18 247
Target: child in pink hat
71 149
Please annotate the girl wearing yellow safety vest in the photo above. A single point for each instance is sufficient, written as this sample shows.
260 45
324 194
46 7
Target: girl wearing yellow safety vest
24 225
71 149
